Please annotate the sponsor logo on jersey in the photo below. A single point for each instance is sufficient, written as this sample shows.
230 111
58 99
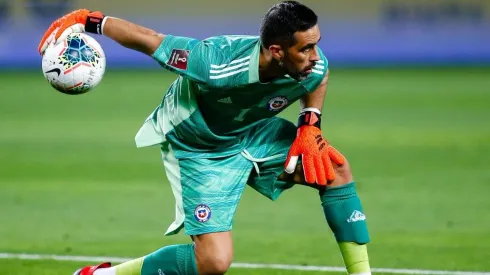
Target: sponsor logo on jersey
178 59
202 213
277 103
226 100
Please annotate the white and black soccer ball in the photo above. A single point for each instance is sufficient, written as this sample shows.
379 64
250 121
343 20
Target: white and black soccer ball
75 65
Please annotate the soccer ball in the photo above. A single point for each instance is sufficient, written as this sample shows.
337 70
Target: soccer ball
74 66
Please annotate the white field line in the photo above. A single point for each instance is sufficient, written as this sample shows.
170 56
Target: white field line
241 265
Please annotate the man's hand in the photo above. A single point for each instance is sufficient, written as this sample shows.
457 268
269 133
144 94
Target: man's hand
75 22
317 156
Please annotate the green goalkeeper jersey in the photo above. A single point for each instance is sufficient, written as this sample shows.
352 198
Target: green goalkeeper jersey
218 95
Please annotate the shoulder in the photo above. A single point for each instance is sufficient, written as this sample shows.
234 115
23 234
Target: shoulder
235 53
232 42
232 47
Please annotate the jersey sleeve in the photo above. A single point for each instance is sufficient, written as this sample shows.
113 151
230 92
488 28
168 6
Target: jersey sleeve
318 73
187 57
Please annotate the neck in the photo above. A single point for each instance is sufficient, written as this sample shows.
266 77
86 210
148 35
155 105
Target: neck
269 69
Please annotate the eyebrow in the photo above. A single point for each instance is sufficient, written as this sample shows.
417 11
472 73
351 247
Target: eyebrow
311 45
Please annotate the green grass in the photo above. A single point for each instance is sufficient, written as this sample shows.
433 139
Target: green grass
72 181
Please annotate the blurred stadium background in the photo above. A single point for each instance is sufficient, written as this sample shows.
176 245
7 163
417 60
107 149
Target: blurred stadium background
408 104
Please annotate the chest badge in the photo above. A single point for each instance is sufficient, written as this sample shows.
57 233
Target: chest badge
277 103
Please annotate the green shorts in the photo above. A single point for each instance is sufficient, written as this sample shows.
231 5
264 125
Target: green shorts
207 191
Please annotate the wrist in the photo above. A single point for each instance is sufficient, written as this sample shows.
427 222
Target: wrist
95 22
313 109
310 117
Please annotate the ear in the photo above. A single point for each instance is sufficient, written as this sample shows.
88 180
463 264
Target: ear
277 52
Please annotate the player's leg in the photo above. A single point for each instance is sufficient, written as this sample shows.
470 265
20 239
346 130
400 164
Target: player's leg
345 216
340 202
209 254
207 192
214 252
173 259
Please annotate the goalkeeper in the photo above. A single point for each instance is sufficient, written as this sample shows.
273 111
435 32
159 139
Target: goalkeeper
217 131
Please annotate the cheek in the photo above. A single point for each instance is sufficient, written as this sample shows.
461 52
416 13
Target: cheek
298 61
301 60
303 64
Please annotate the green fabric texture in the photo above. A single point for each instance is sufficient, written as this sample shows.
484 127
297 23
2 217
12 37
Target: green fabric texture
171 260
344 214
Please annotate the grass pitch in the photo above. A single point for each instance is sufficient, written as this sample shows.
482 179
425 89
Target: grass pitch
73 183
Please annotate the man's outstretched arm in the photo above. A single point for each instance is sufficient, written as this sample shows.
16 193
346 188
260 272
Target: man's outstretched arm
132 36
127 34
182 55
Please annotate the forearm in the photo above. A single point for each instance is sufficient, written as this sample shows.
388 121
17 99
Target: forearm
132 36
313 100
316 98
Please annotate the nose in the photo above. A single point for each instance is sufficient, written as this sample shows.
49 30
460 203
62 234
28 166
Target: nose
315 56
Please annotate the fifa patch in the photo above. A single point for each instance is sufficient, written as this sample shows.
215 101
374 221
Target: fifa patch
178 59
277 103
202 213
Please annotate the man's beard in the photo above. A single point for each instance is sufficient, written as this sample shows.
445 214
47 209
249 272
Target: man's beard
299 76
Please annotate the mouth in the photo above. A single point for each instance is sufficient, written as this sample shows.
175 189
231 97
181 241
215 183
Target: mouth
308 71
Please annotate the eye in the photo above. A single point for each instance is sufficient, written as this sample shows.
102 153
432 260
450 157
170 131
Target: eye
308 49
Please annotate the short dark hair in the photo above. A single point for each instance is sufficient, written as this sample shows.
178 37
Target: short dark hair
283 20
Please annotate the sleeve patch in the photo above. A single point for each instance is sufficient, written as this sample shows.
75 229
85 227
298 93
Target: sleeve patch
178 59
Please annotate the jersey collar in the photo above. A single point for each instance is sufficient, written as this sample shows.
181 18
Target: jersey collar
253 69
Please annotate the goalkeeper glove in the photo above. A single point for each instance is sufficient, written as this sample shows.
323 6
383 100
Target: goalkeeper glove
77 21
317 155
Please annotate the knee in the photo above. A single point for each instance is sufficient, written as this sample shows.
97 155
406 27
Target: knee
214 253
219 265
216 263
343 175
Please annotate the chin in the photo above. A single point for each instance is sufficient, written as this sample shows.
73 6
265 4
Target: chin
300 76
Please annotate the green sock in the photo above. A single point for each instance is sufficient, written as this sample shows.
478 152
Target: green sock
169 260
344 214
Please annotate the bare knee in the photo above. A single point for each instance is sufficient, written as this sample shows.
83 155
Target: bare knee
343 175
214 253
217 265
